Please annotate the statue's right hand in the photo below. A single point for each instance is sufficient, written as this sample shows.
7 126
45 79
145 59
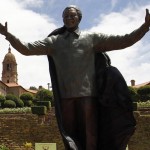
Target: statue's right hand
3 29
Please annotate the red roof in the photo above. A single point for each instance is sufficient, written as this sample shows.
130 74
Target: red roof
32 91
142 84
12 84
16 85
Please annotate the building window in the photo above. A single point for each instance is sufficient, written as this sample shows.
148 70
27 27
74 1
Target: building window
9 67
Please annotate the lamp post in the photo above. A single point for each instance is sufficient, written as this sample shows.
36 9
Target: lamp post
48 86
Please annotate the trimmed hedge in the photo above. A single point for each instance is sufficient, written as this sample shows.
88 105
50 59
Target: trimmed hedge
26 96
144 93
28 103
133 93
44 103
135 106
9 104
19 103
11 97
2 100
39 110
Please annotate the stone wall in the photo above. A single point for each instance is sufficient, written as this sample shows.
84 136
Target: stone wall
141 138
16 129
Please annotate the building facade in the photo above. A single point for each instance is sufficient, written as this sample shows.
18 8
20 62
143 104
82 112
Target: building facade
9 83
139 85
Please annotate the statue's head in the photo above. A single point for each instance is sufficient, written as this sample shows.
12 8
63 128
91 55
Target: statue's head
72 16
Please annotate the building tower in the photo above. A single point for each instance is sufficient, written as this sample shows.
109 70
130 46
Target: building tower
9 72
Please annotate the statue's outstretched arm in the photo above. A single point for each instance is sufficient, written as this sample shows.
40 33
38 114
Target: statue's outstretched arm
147 18
3 29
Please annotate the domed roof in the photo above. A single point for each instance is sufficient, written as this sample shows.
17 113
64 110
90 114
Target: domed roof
9 56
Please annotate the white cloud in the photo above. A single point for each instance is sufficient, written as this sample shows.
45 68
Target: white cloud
28 26
120 22
30 3
136 58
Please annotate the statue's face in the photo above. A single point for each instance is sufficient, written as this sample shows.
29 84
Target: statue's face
70 18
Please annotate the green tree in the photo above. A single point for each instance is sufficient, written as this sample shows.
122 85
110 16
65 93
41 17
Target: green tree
11 97
44 95
144 93
33 88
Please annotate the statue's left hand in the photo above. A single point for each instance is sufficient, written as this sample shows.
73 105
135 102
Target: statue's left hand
3 29
147 17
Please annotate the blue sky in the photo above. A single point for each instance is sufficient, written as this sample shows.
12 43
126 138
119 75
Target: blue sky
32 20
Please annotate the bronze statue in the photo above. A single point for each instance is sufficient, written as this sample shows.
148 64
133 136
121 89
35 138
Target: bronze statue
71 55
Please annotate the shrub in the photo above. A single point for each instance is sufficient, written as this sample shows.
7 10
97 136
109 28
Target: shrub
11 97
135 106
144 104
19 103
28 145
9 104
28 103
133 93
15 110
26 96
3 147
44 103
35 100
2 100
144 93
39 110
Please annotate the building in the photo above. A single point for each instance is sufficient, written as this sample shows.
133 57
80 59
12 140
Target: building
139 85
9 83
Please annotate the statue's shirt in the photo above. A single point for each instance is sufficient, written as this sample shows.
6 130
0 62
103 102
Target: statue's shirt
73 55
